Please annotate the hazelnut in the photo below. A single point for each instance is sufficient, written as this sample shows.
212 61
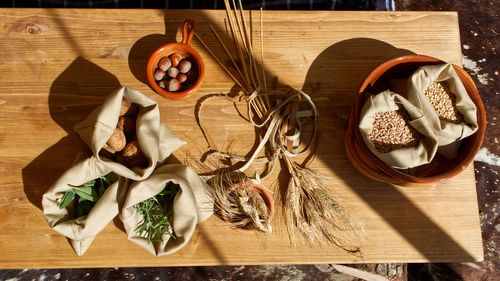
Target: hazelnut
181 77
159 74
172 72
132 155
126 103
164 63
175 59
127 124
184 66
192 75
163 84
173 85
117 141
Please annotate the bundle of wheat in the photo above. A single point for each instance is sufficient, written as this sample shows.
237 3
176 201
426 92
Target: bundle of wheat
309 203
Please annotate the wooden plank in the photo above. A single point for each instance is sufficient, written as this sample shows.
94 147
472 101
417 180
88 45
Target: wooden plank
57 65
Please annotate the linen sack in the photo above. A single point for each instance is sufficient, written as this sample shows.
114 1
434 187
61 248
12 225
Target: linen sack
449 134
156 140
191 206
402 158
81 231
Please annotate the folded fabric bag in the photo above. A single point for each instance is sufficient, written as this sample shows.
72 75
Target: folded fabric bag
382 110
82 230
189 205
440 94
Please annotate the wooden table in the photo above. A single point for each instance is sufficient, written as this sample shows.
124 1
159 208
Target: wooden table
57 65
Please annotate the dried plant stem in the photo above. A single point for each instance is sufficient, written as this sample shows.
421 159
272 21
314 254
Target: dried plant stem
243 42
221 64
317 214
248 48
237 201
236 39
230 56
249 43
262 54
309 206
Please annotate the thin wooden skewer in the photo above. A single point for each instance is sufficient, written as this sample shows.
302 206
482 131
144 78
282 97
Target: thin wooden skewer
266 98
220 63
229 54
262 50
259 102
249 49
236 39
250 46
245 44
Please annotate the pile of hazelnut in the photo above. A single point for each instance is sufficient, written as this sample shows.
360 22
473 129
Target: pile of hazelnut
174 72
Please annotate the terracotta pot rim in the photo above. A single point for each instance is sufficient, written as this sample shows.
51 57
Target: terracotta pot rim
171 48
262 191
164 51
354 143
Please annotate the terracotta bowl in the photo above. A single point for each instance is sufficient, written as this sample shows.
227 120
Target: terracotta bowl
186 51
439 168
266 195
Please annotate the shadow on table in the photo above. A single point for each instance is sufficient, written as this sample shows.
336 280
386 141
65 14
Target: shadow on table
78 90
143 48
348 62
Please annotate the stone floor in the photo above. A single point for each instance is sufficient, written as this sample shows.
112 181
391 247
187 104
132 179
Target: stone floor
479 29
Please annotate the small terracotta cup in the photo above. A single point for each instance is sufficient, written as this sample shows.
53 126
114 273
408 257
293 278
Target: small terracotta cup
186 51
439 168
266 195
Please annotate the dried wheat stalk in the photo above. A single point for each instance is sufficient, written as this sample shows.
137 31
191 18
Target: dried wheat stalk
316 213
232 194
242 206
308 205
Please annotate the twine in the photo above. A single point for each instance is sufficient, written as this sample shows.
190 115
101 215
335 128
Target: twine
283 118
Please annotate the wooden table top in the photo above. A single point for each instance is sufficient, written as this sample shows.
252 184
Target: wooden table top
57 65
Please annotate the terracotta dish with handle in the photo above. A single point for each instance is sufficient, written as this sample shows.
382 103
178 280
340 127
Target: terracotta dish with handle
186 51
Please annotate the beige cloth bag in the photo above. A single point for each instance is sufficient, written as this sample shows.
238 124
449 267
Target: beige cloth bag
402 158
156 140
190 207
82 230
449 135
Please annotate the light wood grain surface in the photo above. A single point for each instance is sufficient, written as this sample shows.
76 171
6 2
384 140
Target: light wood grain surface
57 65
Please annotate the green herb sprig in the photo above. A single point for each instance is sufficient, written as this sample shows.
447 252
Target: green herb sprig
156 212
87 195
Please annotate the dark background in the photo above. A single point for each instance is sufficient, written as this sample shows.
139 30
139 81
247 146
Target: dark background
479 28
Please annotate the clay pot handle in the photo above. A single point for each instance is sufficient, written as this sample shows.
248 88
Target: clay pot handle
186 38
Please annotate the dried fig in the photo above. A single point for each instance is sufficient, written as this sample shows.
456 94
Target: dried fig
107 151
128 108
117 141
126 103
131 155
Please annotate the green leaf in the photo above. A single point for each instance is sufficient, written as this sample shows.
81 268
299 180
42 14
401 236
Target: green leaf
106 180
100 187
155 212
87 193
68 196
83 208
